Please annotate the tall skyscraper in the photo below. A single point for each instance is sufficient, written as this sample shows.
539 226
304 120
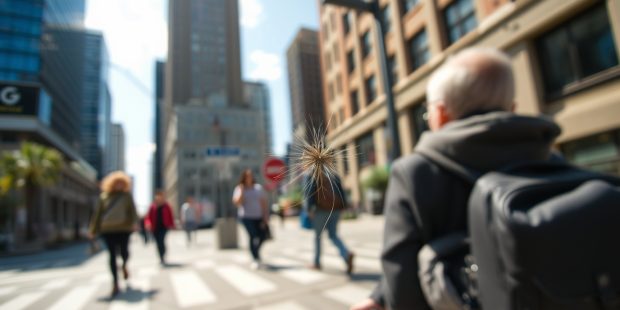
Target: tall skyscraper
95 114
257 95
68 13
204 62
211 133
304 76
115 161
157 130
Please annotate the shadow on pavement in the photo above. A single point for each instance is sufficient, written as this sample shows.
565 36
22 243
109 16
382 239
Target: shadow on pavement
360 277
173 265
131 295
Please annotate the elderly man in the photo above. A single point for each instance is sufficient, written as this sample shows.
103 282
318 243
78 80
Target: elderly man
470 104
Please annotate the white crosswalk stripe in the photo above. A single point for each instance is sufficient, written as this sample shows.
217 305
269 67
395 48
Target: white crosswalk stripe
348 294
190 290
204 264
7 290
295 271
245 281
76 299
288 305
22 301
56 284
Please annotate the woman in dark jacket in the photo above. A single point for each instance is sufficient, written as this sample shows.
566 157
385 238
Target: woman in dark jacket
115 219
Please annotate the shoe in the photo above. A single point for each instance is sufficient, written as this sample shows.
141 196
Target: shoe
314 267
350 263
255 265
114 291
125 273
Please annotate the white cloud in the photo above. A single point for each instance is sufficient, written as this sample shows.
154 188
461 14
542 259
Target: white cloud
251 13
265 66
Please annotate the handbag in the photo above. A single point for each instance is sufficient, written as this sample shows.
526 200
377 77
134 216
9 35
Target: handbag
305 220
266 232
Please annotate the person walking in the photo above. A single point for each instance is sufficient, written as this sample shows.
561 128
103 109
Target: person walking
251 203
115 218
161 220
470 114
190 216
323 201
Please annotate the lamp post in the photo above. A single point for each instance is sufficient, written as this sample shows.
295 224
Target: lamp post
373 8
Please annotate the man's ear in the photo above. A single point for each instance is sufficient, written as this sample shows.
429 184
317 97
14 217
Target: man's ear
443 115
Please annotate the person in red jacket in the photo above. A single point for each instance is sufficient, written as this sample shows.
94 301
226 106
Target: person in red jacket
160 219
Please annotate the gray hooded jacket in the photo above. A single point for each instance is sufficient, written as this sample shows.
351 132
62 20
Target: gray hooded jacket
420 191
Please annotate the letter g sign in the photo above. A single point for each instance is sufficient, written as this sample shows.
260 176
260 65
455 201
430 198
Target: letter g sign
9 95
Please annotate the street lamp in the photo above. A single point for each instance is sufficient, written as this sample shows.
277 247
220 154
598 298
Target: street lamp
373 8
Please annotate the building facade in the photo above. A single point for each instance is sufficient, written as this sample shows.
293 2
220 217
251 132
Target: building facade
256 96
205 110
158 133
115 161
38 107
304 80
564 53
96 108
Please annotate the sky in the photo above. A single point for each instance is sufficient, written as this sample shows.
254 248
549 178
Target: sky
136 36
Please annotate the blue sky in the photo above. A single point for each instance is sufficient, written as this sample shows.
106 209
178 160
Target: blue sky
136 36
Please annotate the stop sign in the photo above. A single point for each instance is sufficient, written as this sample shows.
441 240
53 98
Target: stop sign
274 169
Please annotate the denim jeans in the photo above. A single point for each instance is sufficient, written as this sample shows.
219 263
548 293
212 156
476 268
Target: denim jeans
319 220
255 236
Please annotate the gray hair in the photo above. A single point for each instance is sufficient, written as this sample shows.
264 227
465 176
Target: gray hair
473 80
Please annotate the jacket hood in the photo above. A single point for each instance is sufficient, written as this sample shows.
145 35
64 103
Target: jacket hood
492 140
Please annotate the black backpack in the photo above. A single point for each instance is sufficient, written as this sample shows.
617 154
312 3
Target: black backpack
543 235
546 235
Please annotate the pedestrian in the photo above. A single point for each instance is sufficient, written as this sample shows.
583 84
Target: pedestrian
189 218
470 114
143 229
115 218
161 220
251 203
324 198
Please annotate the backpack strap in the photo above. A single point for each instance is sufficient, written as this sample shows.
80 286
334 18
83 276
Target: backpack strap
465 173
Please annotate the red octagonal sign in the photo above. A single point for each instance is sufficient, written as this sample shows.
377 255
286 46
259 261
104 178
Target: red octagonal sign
274 169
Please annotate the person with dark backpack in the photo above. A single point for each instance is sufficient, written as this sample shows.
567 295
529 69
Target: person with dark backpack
470 102
324 199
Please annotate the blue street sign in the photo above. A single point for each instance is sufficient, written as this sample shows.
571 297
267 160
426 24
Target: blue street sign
223 151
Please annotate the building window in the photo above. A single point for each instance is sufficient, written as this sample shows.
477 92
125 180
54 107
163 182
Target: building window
418 49
580 48
386 25
336 53
393 67
338 84
419 120
460 18
355 104
366 44
328 62
346 22
351 61
366 149
600 152
371 89
408 5
325 32
330 92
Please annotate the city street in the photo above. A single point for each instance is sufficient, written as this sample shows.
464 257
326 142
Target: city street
201 276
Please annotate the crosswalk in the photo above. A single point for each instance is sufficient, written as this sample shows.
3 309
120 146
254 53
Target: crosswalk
201 278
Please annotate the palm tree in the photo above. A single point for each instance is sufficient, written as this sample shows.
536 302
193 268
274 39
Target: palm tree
30 168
